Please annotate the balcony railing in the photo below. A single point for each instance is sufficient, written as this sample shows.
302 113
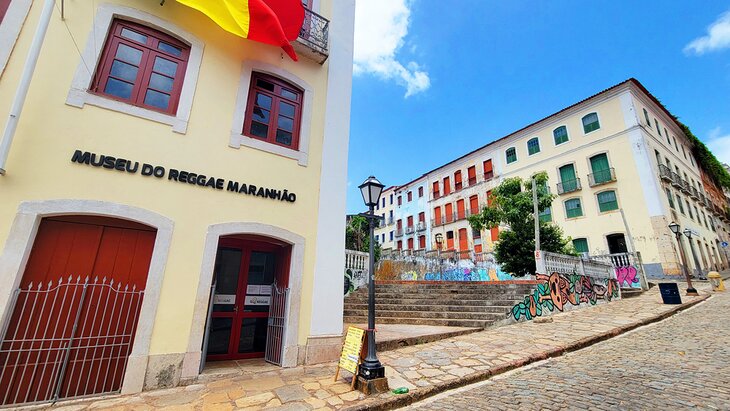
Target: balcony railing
601 177
437 221
391 220
488 176
436 195
472 181
313 37
665 173
676 180
410 229
421 226
569 186
399 232
695 194
686 188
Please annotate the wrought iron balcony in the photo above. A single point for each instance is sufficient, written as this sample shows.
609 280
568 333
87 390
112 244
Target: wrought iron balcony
460 215
472 181
695 194
488 176
676 180
313 37
391 220
399 232
569 186
665 173
437 221
601 177
421 226
410 229
436 195
686 188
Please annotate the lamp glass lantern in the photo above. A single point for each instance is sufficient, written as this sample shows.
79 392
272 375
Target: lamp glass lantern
674 227
371 190
688 233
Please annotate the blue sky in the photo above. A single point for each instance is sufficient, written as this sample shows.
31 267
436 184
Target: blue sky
434 81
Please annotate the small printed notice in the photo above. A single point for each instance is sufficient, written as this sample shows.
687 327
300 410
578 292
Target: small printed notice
265 289
253 289
224 299
257 300
350 357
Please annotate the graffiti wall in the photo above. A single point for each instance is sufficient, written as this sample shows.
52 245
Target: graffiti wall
563 291
628 277
445 269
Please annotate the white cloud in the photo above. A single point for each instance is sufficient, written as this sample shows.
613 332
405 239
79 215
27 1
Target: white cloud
719 144
717 38
380 29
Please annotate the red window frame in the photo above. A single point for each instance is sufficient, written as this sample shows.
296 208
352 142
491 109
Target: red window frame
409 221
471 174
447 186
410 243
410 196
422 242
457 181
436 191
4 4
400 200
151 51
488 170
420 192
400 244
277 96
422 217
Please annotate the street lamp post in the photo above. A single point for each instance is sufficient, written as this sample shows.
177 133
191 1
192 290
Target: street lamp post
678 235
700 274
371 368
439 244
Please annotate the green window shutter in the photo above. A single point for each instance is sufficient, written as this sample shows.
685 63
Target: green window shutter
573 208
533 146
560 135
670 198
567 178
590 123
601 169
607 201
580 245
546 215
511 154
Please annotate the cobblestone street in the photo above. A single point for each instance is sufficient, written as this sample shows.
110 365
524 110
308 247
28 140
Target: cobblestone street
679 363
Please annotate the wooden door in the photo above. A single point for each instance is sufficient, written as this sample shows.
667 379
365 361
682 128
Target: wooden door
460 210
463 240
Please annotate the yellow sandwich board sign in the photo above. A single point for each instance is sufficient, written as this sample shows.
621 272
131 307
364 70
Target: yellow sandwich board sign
351 352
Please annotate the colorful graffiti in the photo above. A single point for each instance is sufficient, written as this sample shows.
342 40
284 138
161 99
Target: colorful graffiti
433 269
627 275
558 290
354 279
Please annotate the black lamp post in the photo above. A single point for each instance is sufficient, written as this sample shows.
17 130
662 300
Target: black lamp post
439 244
688 234
678 234
371 368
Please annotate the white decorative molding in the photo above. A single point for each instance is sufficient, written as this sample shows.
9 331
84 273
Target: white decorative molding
20 243
193 357
10 29
79 94
239 117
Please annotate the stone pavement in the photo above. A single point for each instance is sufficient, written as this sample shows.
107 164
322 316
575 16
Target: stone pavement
681 363
426 369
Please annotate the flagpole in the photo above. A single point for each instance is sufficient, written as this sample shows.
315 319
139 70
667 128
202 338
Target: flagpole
22 92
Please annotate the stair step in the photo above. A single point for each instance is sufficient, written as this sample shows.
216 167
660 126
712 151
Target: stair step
432 301
424 321
429 314
430 308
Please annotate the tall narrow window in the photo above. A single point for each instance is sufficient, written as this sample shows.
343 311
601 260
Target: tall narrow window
601 172
274 111
546 215
573 208
511 155
488 170
568 181
410 196
471 174
533 146
447 186
670 198
458 181
680 204
590 123
646 116
420 191
435 189
142 67
400 200
560 135
607 201
658 129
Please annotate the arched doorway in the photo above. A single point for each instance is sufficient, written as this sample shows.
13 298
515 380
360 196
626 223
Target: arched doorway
248 299
75 312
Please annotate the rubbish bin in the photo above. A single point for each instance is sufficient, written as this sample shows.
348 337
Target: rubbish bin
670 293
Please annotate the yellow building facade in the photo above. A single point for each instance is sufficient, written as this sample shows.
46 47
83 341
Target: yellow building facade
188 162
617 150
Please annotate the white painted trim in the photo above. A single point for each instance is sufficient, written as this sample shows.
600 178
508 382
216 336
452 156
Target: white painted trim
20 243
527 145
193 357
79 94
10 29
567 132
239 115
327 301
584 126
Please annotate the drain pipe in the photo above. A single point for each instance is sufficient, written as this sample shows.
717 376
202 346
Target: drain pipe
20 95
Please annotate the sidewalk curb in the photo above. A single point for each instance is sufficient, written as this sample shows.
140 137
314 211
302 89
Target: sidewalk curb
420 394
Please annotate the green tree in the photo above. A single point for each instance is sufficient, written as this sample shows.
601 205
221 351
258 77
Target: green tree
511 205
357 236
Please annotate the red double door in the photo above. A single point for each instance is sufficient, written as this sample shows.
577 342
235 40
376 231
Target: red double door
245 274
76 311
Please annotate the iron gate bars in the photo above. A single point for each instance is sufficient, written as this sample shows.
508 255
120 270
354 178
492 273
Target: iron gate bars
66 339
277 324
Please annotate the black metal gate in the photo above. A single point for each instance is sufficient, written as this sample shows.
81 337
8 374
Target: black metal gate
278 313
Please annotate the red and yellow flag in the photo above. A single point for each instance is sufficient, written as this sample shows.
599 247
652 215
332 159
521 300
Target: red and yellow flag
275 22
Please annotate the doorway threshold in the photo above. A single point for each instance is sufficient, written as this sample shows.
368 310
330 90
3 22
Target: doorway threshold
232 368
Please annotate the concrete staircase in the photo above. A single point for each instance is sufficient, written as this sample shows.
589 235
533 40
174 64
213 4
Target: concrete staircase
456 304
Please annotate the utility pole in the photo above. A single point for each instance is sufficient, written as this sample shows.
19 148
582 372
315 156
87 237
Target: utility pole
536 212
